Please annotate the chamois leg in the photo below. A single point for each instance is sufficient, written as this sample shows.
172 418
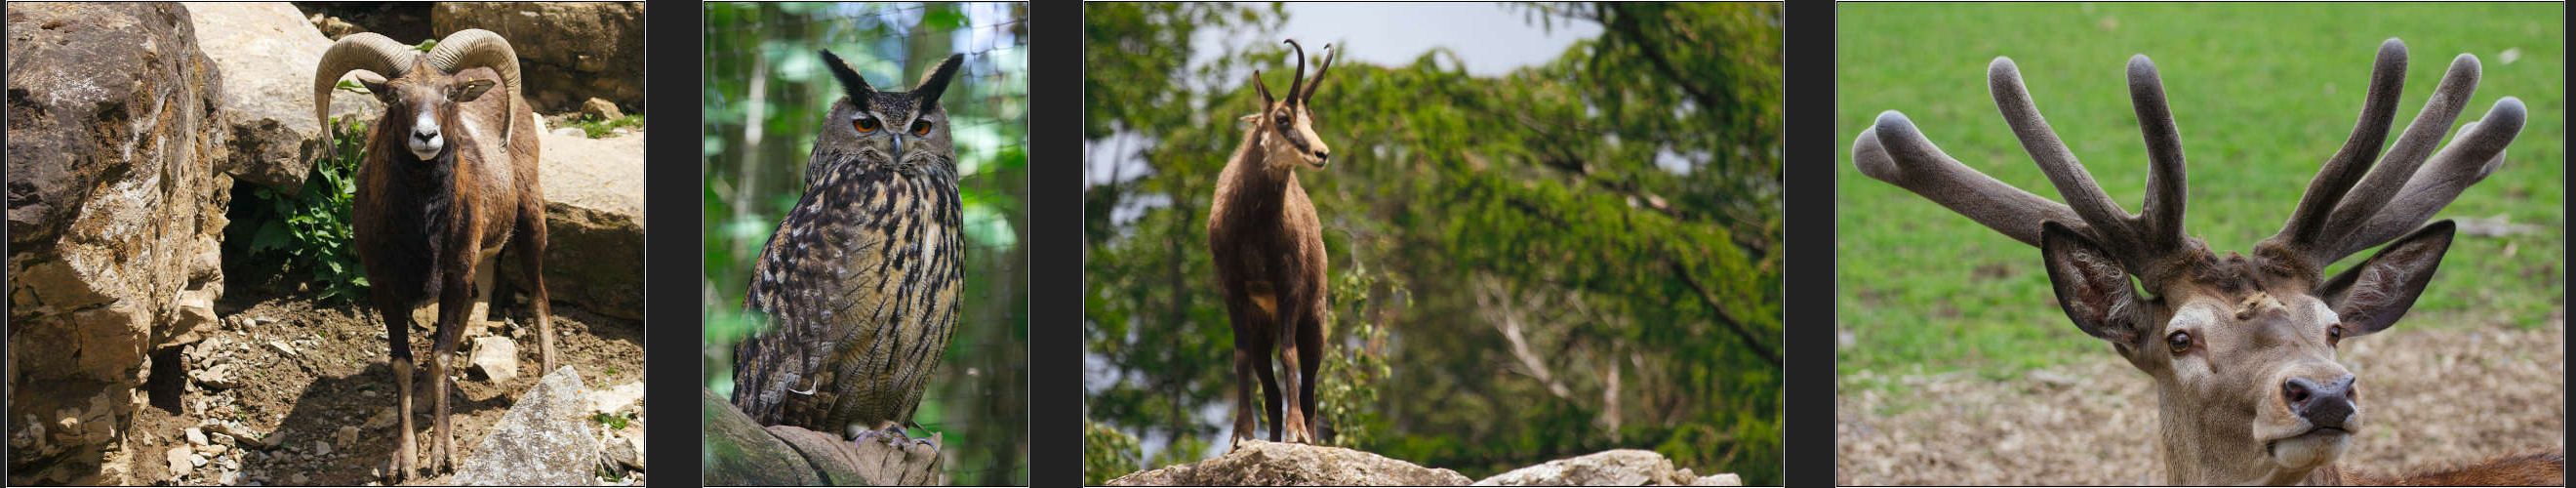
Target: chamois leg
1310 354
1244 428
1289 352
454 309
398 332
1269 387
531 243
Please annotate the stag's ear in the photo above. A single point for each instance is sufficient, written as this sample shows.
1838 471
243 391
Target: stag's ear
469 90
2091 286
2371 296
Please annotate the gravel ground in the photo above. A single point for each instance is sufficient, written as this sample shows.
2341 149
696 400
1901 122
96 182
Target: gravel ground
2440 397
337 377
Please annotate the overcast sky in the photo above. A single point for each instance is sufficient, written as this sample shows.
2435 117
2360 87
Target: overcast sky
1492 38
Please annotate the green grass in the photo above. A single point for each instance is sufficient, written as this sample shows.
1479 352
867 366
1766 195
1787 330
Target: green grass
2262 94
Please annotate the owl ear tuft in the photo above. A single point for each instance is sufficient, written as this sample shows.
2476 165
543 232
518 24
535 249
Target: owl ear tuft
935 82
851 84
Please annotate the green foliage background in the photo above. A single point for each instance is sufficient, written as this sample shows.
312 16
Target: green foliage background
1457 208
2262 93
756 148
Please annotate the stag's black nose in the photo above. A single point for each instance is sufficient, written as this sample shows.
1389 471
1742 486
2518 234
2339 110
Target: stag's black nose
2323 405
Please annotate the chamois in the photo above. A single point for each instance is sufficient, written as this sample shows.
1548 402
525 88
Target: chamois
449 176
1269 255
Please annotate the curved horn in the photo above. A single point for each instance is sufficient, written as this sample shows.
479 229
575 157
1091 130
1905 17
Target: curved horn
372 55
473 48
1297 83
1330 55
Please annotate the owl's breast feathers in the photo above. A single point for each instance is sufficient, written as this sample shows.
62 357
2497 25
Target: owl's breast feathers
860 286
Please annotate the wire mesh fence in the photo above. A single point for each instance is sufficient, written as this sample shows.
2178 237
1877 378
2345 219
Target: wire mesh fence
765 97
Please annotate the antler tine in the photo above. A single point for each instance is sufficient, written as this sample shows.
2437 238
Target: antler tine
2404 159
1895 152
2387 77
2476 153
2161 222
2114 225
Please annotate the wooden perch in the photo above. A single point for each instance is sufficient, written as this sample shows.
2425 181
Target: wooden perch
742 452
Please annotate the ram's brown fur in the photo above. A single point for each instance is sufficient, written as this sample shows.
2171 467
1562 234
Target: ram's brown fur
425 227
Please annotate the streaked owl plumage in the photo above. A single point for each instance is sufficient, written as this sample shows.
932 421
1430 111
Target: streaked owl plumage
860 282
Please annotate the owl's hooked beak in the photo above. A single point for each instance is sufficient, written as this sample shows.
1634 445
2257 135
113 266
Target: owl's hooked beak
898 148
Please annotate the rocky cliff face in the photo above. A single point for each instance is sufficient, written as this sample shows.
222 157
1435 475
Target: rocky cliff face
608 62
117 190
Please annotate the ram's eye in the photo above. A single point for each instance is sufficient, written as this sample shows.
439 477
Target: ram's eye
866 124
920 127
2179 342
2334 334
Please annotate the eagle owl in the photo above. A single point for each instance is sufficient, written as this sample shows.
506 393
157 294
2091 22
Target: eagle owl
859 284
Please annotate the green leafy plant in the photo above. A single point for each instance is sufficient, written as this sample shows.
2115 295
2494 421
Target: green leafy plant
594 127
311 230
1346 395
614 422
1107 453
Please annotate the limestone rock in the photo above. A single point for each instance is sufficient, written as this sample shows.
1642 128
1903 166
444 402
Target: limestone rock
116 189
602 109
594 223
267 52
543 440
178 459
1722 479
1620 467
612 400
588 49
1259 463
496 358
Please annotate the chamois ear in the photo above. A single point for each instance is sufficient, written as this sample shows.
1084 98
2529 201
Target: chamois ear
2091 286
851 84
469 90
936 82
2373 295
1264 88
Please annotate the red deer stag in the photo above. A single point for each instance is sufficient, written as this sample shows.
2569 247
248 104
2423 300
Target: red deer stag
2241 348
1269 255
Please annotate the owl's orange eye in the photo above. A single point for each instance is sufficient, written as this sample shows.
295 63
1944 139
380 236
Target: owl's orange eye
920 127
866 124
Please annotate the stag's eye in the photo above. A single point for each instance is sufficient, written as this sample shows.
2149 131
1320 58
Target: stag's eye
2179 342
2334 334
1283 119
866 124
920 127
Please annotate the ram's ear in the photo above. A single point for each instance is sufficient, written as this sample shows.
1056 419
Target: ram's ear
2373 295
469 90
376 85
2091 286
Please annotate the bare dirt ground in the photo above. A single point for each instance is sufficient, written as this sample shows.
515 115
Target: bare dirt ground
2440 397
337 376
